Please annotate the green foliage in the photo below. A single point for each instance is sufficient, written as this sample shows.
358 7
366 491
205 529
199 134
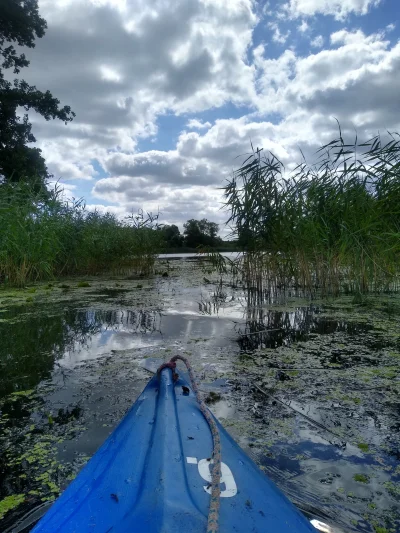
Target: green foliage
201 233
172 236
41 237
21 23
331 226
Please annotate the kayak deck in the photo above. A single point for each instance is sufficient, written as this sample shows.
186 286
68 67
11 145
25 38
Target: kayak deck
153 474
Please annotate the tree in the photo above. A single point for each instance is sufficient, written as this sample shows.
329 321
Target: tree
201 232
21 23
172 236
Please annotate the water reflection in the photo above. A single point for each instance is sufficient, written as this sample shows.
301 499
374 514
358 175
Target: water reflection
215 300
34 342
271 328
267 328
31 344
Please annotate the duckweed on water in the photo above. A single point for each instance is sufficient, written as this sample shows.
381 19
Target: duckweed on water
393 488
361 478
10 502
26 393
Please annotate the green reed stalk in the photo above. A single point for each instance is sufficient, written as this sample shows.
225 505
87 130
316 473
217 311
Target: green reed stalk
42 237
330 226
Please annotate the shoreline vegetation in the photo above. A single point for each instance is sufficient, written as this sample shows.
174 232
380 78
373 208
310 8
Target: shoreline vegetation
43 238
329 227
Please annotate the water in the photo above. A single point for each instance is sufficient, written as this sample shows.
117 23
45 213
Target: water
309 389
230 255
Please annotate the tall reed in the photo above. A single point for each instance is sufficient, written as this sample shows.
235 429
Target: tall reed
42 237
330 226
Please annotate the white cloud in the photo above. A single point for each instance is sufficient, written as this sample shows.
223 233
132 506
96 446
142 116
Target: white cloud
360 74
161 168
339 9
109 74
121 64
303 27
317 42
307 92
195 124
277 35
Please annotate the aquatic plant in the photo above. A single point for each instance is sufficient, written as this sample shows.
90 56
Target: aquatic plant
361 478
330 226
42 236
10 502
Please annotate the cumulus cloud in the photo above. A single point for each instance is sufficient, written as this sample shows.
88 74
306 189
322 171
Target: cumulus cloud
307 92
339 9
317 42
174 204
161 167
186 182
303 27
360 74
195 124
277 35
121 64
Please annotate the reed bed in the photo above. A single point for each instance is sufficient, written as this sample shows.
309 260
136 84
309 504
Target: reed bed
333 226
42 237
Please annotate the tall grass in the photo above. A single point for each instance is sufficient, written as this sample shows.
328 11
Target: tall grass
331 226
42 237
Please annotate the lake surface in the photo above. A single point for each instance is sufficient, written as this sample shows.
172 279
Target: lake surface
310 389
230 255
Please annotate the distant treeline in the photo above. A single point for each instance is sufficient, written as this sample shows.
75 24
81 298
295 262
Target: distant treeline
197 233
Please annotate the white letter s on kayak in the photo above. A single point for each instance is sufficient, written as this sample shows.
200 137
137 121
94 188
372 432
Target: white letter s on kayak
226 476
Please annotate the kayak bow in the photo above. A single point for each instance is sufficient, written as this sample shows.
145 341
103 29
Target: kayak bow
153 474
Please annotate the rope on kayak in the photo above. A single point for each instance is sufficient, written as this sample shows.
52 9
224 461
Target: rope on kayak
213 512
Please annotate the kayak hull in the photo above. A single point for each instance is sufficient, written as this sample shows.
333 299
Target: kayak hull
153 473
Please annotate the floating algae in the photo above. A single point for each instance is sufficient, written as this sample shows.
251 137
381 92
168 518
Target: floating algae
10 502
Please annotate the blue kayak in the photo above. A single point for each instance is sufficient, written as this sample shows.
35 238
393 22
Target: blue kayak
153 474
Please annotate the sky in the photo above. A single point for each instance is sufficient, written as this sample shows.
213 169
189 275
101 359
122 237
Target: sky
169 94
